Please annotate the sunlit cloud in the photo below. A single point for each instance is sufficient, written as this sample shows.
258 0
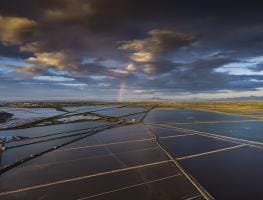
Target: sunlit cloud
131 67
14 30
60 60
149 52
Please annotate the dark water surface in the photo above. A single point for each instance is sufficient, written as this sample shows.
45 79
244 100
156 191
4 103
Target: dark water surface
52 129
185 115
175 187
193 144
235 174
55 136
116 112
244 130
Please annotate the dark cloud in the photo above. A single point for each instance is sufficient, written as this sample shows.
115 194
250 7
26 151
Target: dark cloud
170 45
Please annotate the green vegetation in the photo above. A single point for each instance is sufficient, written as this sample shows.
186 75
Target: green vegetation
247 108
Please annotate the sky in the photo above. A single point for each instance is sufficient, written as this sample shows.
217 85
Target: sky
130 49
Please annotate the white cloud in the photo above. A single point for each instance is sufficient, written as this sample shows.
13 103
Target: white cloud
131 67
53 78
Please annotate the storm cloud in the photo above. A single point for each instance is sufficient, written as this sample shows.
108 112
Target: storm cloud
92 48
